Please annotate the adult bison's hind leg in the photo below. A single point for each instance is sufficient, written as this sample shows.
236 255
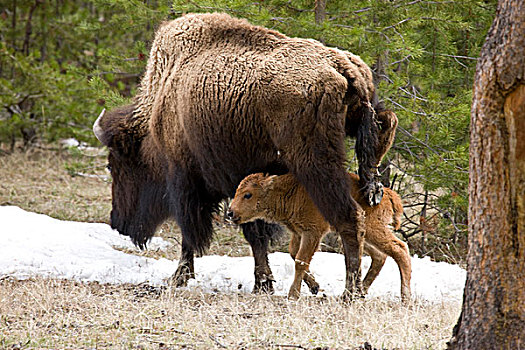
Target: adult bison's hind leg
313 148
352 236
328 186
259 234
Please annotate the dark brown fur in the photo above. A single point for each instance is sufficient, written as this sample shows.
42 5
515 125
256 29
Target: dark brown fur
281 199
221 99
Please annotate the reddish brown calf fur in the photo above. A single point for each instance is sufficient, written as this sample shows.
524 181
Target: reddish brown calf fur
282 199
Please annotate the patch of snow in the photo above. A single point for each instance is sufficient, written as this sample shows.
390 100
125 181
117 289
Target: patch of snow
71 142
35 244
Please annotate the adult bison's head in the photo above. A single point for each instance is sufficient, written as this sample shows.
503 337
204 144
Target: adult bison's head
139 202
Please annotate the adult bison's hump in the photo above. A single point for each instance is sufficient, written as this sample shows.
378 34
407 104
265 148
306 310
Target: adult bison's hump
229 105
230 84
235 66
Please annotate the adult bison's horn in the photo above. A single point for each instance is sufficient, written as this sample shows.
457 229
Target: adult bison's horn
97 129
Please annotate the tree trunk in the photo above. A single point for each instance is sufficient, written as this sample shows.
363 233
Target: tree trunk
493 313
320 11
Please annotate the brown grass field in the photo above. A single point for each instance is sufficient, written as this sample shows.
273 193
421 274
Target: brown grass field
58 314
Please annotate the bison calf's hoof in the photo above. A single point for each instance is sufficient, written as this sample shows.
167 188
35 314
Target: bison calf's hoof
314 289
294 294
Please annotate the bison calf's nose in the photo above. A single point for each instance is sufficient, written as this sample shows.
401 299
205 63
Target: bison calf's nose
232 217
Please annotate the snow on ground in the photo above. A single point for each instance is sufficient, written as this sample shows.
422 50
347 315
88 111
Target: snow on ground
35 244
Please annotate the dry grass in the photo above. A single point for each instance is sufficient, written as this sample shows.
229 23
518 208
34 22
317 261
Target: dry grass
65 314
54 182
37 180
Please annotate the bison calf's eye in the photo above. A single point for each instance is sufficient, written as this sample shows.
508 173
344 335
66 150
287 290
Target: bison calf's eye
247 196
108 167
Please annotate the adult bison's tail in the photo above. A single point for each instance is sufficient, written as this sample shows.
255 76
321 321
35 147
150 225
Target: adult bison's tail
361 122
366 148
367 142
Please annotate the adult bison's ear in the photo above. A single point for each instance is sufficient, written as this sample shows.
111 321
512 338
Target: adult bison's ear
115 130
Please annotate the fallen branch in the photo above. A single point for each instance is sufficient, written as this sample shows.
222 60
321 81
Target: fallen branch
217 342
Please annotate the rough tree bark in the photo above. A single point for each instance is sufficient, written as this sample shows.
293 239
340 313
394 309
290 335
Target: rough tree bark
493 312
320 11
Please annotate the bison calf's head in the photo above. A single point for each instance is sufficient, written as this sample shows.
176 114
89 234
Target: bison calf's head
138 190
248 203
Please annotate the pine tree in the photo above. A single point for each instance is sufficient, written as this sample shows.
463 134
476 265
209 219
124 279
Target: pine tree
493 315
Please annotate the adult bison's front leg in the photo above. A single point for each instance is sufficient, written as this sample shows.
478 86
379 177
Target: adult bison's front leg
186 269
259 234
193 209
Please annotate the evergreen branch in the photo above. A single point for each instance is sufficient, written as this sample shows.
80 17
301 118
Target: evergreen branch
426 2
452 56
398 23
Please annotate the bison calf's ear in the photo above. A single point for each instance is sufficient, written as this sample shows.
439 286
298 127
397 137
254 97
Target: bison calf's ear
268 181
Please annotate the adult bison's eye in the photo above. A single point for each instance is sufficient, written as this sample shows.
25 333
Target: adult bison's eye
247 196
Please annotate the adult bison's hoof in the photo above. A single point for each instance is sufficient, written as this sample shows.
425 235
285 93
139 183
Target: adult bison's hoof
374 193
349 296
181 276
264 285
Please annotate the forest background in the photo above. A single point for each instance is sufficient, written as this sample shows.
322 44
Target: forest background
62 61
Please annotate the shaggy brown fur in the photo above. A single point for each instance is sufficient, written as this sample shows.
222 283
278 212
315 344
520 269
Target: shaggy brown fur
281 199
221 99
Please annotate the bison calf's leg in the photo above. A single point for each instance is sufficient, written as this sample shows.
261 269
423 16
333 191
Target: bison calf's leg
398 250
310 281
378 260
308 278
384 240
259 234
307 248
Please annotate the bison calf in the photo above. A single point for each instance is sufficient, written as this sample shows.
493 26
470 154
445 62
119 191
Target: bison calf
282 199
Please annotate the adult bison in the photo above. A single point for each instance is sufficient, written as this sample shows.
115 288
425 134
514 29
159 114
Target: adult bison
221 99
